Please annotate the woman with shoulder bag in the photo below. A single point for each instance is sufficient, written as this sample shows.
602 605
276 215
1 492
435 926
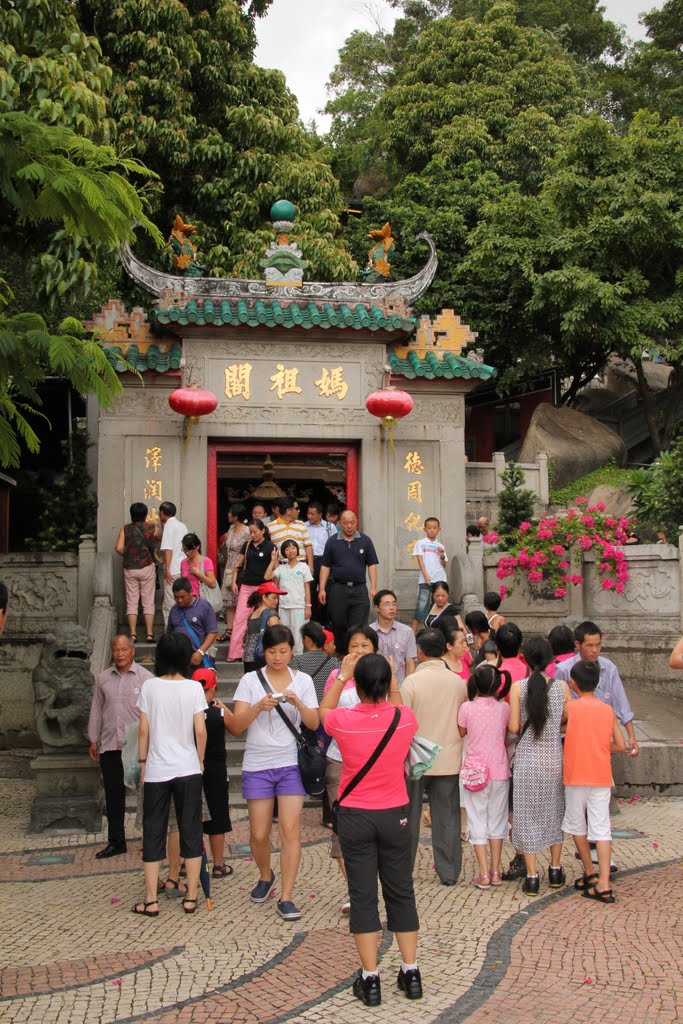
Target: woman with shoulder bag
254 565
271 765
374 738
137 542
232 544
263 605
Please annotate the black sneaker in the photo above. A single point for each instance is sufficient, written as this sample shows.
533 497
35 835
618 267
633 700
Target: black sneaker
516 870
410 982
556 878
531 885
367 989
262 889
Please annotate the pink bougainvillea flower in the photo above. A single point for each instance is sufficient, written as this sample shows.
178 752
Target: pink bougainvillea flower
115 899
587 520
610 521
563 565
490 538
655 846
545 534
607 583
581 501
619 587
117 981
523 527
535 577
503 592
557 549
588 981
585 542
560 592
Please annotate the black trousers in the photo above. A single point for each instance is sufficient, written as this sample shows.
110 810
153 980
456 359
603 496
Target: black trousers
186 793
111 767
349 606
378 843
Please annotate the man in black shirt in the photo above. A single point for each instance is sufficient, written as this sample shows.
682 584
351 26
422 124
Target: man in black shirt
346 558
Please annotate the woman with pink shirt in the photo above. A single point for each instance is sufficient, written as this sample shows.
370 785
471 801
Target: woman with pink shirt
561 640
457 657
373 818
484 719
196 567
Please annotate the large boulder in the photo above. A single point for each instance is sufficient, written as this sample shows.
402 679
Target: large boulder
617 500
576 444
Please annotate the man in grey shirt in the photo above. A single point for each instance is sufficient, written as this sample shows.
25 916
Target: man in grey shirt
396 641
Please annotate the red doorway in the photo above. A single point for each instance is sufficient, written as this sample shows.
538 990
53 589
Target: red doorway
217 448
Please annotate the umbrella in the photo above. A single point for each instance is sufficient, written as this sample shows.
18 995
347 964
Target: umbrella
205 879
421 756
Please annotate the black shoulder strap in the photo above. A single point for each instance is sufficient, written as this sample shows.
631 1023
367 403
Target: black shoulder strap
292 728
360 775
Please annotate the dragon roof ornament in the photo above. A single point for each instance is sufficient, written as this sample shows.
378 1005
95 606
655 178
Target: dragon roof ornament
158 283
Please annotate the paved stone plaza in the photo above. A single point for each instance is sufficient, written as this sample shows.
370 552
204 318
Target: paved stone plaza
73 951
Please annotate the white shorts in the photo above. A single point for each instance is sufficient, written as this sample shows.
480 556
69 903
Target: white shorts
487 812
586 812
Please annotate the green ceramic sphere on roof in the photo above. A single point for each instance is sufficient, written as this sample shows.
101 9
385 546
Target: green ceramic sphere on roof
282 210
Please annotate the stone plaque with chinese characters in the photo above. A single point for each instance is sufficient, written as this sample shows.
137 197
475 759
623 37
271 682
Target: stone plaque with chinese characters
153 473
280 381
416 499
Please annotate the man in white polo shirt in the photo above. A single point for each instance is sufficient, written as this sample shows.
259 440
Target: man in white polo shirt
172 552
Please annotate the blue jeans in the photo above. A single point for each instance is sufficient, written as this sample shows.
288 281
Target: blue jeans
424 601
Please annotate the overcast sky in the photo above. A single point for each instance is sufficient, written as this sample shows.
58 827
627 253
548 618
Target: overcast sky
303 37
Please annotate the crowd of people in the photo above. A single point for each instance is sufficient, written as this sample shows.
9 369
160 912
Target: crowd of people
524 728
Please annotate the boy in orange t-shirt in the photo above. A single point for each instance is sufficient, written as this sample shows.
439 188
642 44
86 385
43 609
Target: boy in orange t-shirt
593 734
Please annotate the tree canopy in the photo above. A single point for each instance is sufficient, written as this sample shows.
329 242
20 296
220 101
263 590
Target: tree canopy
222 134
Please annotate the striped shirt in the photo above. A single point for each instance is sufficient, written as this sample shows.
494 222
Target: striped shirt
282 530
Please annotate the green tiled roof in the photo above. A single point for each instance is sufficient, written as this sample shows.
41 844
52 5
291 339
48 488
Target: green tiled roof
282 314
448 366
151 359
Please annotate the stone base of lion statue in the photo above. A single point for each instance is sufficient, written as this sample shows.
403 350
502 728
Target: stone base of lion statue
68 787
68 793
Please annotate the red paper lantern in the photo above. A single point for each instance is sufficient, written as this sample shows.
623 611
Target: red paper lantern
389 405
192 402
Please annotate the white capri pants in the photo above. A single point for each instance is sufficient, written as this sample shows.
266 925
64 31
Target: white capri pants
487 812
586 812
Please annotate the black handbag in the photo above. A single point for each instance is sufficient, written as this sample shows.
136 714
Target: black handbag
362 772
310 759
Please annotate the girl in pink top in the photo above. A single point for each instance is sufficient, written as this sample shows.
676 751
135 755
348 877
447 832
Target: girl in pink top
561 640
484 719
195 567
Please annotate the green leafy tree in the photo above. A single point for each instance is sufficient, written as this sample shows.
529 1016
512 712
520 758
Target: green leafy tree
65 201
658 493
515 504
595 259
222 134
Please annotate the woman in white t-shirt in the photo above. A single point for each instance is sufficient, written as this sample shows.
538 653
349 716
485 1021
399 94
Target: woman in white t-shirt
171 753
270 767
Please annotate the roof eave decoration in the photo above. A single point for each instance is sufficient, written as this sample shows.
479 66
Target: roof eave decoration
160 284
438 351
287 314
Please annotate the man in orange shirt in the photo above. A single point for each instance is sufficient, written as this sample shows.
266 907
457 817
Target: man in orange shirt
593 734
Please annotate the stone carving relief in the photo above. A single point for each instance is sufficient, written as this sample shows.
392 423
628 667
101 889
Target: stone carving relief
651 589
39 593
63 686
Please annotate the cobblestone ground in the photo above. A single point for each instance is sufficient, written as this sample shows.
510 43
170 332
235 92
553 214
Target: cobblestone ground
72 951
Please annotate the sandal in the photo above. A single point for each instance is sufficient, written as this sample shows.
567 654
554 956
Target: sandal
605 896
224 637
496 880
189 910
221 870
175 892
149 638
482 882
141 909
586 882
133 638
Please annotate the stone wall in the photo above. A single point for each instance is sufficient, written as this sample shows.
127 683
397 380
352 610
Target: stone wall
483 485
640 627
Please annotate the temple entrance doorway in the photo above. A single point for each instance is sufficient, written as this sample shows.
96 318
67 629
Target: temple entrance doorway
259 471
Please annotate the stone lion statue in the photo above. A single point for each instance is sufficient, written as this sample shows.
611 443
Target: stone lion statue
63 686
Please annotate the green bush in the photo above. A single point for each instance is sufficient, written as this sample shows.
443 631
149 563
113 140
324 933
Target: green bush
606 476
516 504
658 493
69 507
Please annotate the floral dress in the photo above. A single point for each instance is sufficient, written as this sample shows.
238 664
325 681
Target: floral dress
235 539
538 782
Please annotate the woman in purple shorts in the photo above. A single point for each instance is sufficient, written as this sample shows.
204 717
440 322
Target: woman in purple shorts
270 766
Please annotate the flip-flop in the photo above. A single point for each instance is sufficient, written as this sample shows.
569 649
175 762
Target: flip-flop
586 882
605 896
141 909
222 871
133 638
189 910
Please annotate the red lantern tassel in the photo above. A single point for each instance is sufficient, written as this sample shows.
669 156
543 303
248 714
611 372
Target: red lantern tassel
389 422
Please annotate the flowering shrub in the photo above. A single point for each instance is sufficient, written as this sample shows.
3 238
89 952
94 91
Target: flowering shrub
538 552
